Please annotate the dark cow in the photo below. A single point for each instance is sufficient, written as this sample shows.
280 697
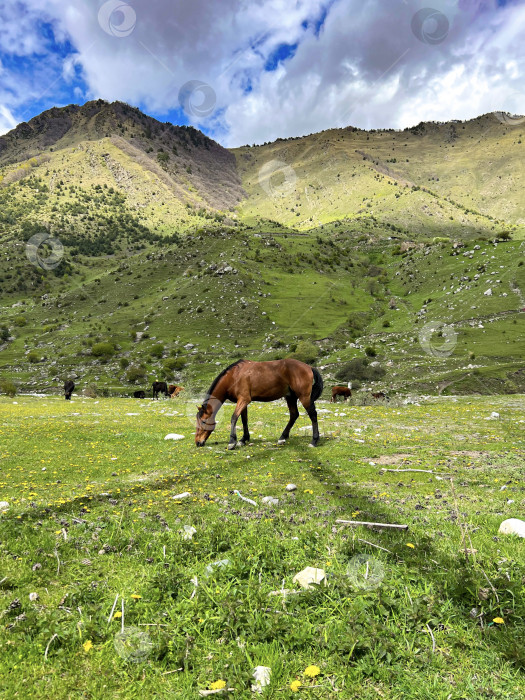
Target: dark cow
343 391
69 388
139 394
380 395
159 388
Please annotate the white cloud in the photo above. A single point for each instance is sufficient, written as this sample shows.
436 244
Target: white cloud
7 120
366 67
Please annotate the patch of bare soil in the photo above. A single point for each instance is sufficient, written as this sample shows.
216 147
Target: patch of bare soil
390 459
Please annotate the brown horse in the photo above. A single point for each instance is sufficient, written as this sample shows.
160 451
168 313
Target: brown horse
174 390
340 391
380 395
246 381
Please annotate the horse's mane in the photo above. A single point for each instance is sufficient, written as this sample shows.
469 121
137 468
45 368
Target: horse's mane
209 393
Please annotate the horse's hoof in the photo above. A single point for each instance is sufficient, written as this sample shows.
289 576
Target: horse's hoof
312 444
232 445
281 442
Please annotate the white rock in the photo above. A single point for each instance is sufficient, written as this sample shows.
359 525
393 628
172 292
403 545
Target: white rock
33 596
262 676
308 576
512 526
271 500
173 436
488 293
4 505
494 415
291 487
180 496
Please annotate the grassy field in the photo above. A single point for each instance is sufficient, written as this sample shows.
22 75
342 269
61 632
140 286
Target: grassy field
434 612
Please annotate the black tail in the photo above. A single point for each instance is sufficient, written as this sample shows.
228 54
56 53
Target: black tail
317 386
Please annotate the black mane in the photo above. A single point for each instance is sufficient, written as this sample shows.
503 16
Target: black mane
209 393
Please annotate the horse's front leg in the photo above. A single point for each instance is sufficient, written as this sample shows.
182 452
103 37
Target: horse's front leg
239 409
245 431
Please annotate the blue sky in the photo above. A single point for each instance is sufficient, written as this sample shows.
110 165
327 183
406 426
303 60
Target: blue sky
249 72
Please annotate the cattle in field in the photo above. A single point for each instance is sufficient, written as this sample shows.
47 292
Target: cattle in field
159 388
69 388
380 395
343 391
139 395
174 390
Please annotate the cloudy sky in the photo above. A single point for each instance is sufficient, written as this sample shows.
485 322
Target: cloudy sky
250 71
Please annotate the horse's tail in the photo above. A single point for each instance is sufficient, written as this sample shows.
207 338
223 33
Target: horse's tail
317 386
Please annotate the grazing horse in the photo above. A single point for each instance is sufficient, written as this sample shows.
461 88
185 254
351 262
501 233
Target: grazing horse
246 381
69 388
139 394
340 391
380 395
159 388
174 390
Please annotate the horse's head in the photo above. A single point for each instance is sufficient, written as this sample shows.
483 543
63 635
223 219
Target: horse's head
205 424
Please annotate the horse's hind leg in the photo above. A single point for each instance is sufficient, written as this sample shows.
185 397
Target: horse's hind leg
294 415
246 432
312 414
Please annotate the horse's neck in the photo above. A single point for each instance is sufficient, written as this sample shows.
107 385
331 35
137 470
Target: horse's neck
219 393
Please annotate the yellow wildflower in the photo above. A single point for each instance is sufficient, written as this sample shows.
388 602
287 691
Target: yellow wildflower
218 685
295 685
312 671
117 615
88 645
409 544
135 596
499 620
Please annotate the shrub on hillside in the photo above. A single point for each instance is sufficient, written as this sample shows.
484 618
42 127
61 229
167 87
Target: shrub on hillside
174 363
157 350
135 374
359 368
104 349
306 352
8 387
34 357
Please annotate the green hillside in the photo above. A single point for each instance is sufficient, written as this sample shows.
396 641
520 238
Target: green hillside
180 256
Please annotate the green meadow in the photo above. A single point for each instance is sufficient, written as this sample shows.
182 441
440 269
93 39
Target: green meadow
434 611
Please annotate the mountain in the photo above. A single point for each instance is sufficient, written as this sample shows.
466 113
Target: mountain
179 256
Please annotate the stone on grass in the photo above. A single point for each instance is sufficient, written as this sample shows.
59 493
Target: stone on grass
262 676
33 596
4 505
173 436
512 526
270 500
308 576
291 487
180 496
